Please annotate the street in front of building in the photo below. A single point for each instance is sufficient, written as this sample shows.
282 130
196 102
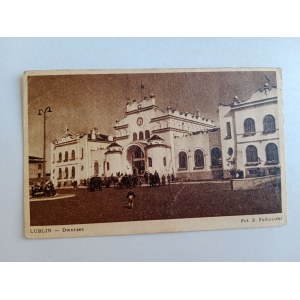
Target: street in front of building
182 200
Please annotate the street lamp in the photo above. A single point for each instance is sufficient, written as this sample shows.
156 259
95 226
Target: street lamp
44 112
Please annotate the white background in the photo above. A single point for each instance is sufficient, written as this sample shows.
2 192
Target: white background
264 244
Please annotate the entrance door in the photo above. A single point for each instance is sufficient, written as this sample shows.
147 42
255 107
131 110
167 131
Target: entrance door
136 157
139 167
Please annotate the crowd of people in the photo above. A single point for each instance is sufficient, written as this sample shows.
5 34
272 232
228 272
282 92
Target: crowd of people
125 180
155 180
128 181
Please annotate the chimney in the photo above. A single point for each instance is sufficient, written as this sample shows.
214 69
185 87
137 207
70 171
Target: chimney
128 104
93 134
152 99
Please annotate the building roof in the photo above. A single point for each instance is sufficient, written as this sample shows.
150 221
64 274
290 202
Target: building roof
265 92
35 159
68 137
99 137
155 138
114 144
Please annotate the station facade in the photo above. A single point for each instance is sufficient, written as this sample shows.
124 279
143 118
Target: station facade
184 144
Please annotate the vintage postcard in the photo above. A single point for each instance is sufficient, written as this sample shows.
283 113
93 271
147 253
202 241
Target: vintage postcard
114 152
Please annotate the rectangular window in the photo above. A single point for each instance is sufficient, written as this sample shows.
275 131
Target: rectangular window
39 166
228 129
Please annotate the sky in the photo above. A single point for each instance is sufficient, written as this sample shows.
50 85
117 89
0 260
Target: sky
82 102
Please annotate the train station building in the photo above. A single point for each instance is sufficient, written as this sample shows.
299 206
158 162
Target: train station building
185 144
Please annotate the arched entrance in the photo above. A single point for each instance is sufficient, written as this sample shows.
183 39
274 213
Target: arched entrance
136 157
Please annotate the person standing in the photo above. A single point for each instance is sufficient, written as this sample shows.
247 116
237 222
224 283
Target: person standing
169 179
156 179
130 197
151 179
146 177
163 179
173 177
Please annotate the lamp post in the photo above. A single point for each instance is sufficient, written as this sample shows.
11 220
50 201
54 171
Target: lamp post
44 112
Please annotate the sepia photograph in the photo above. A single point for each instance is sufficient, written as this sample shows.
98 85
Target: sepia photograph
113 152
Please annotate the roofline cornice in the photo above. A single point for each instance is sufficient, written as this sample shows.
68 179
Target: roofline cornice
180 119
141 109
254 103
121 126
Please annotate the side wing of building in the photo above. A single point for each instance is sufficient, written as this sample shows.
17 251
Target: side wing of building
250 134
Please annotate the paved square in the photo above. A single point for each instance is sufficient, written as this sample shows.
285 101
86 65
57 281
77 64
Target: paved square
186 200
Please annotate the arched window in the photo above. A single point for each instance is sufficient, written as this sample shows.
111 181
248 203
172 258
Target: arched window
272 153
73 172
141 135
228 129
73 155
147 134
249 126
165 161
149 162
96 168
59 157
183 160
81 153
134 137
251 154
66 156
199 158
66 173
59 173
269 124
107 166
216 157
